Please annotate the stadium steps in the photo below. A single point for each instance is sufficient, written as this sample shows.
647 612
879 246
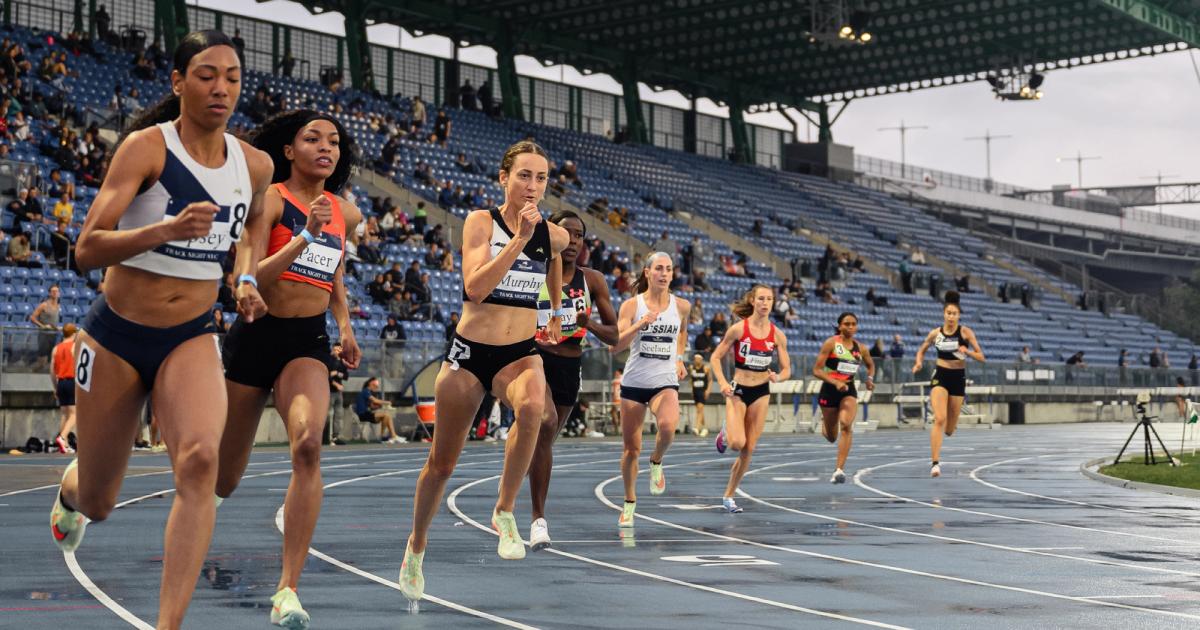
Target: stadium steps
779 265
378 185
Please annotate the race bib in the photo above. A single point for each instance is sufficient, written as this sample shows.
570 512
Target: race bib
758 361
847 367
85 366
949 345
657 349
697 384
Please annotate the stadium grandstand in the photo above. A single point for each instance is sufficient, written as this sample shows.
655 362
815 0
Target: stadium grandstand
734 203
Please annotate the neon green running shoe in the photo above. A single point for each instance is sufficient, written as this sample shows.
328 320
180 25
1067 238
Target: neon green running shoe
511 547
66 526
658 481
627 512
412 580
286 610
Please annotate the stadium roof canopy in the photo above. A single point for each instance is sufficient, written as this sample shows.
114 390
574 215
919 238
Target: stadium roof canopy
787 51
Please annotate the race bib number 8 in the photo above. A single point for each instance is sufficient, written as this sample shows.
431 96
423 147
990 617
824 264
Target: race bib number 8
85 367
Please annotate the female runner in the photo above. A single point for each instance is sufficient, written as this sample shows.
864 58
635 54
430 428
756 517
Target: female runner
837 364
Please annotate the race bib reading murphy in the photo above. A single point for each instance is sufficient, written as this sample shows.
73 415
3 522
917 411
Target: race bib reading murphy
520 286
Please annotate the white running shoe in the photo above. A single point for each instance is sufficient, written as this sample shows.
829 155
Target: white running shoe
627 513
838 477
731 506
539 535
412 578
936 470
595 434
66 526
658 481
286 610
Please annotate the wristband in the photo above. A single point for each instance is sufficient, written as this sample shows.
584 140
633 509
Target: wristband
682 358
307 236
248 279
560 312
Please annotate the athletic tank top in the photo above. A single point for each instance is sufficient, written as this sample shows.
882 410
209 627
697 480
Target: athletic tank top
652 354
64 359
577 300
947 345
753 354
843 362
49 315
319 261
520 286
184 181
699 377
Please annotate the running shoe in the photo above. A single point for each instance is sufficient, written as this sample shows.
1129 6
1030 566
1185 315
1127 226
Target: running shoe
658 481
66 526
936 470
595 434
63 447
731 506
396 439
510 546
539 535
627 512
704 432
838 477
286 610
412 580
721 441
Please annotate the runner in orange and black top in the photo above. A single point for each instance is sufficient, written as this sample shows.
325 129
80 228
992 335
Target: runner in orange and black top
583 291
837 364
286 350
948 387
62 375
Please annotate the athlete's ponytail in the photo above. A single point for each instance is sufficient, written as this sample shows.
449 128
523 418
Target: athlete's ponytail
952 298
168 108
643 281
744 307
281 129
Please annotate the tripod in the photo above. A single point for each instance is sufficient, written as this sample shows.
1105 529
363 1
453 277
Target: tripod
1147 428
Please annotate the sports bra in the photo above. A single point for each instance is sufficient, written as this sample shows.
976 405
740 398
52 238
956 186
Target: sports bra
752 354
318 263
523 281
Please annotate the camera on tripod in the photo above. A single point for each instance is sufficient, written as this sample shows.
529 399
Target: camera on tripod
1141 407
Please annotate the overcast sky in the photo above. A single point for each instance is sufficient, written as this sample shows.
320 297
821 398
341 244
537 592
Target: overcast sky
1139 115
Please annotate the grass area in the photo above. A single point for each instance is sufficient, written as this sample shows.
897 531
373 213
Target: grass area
1132 468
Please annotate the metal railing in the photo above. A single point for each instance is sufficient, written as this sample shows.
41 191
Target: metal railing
913 172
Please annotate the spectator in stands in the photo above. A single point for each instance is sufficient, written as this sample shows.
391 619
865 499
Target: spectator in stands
896 352
858 266
1076 360
286 65
380 289
704 342
420 216
877 351
396 276
424 174
442 126
1155 360
338 373
608 264
447 263
718 324
826 293
258 108
463 163
1194 370
401 306
393 330
615 220
62 248
466 96
696 315
406 233
624 282
412 277
459 198
64 210
103 23
375 410
446 196
16 207
418 112
58 187
1025 357
433 256
389 224
218 319
452 325
238 42
485 97
784 313
918 256
478 199
906 276
571 173
1166 361
18 250
964 283
19 127
435 236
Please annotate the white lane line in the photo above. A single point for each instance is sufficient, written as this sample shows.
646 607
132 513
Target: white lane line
1123 597
101 596
452 503
952 539
395 585
862 484
599 491
975 477
1052 548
